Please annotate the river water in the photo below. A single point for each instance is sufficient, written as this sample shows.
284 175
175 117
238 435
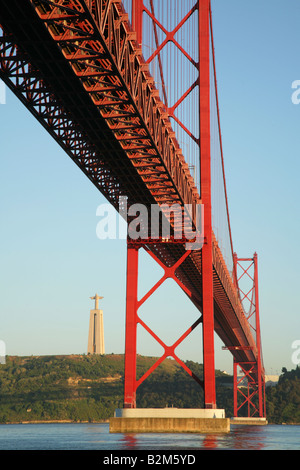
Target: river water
97 437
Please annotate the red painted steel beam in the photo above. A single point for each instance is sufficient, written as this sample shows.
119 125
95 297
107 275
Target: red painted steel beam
131 328
205 186
258 341
159 58
137 20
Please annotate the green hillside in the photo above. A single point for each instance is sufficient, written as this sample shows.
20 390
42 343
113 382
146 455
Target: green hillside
90 388
283 401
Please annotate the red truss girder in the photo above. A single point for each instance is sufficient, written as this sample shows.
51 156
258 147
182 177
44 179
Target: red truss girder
96 39
27 83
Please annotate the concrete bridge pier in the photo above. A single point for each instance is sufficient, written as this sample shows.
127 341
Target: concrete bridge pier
169 420
250 421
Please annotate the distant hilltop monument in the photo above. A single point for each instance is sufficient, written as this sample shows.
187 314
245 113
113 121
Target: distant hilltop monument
96 330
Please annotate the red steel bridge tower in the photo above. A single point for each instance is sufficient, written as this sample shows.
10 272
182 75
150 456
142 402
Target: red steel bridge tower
128 89
202 81
246 270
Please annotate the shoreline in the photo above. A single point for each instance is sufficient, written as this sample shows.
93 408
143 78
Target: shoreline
104 421
57 421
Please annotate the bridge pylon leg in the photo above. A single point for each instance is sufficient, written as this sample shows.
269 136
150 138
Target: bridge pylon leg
131 327
205 184
137 19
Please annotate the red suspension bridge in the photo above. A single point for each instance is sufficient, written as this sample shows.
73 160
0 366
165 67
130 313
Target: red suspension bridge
128 90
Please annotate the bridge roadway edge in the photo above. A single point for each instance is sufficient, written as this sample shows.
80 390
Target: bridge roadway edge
169 420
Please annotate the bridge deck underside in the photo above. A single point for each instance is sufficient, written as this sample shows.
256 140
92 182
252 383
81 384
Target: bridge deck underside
81 129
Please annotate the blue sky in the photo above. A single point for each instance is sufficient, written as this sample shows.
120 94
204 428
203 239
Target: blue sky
52 261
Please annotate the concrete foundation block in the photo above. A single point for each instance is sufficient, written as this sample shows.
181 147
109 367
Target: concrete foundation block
169 420
250 421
